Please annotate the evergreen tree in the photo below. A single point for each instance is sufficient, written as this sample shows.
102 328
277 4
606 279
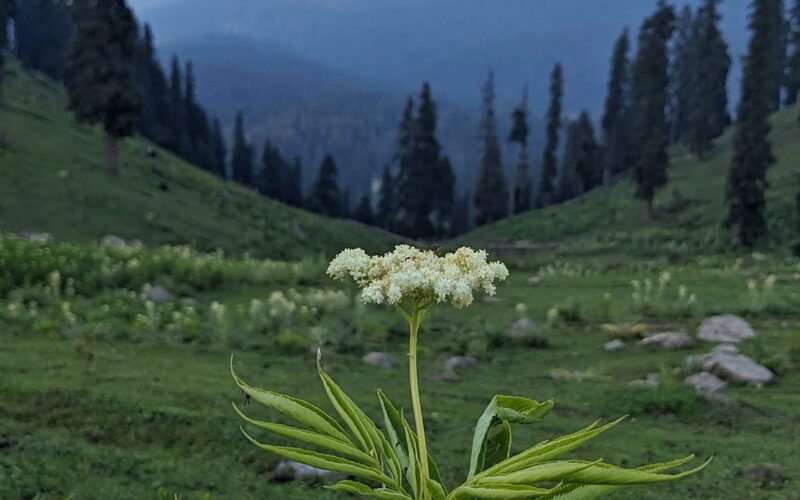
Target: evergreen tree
491 194
151 84
683 65
407 182
7 11
295 186
521 197
650 89
443 198
752 151
549 163
708 99
99 72
364 212
462 216
326 197
175 105
274 179
220 152
615 116
242 154
387 203
41 34
567 186
793 64
588 172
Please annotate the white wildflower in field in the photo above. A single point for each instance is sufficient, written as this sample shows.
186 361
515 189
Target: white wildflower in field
419 275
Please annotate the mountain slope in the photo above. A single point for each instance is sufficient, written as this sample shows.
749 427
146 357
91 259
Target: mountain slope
52 179
690 208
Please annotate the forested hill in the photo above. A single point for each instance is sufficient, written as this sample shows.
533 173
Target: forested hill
54 181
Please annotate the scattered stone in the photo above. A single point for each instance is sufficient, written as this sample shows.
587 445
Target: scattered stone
758 256
291 471
767 474
460 363
522 328
727 328
534 280
614 345
651 380
36 237
493 299
726 348
448 376
111 240
379 359
562 375
667 340
298 231
733 368
706 383
63 173
158 293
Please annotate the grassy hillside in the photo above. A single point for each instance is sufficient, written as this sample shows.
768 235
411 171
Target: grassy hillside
609 219
52 179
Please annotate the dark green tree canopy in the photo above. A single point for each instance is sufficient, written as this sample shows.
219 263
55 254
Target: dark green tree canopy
615 121
242 154
547 187
326 197
491 193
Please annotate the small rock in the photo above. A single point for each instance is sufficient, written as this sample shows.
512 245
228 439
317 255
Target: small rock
36 237
651 380
769 475
298 231
535 280
449 376
63 173
460 363
614 345
492 299
726 348
111 240
727 328
733 367
705 383
158 293
758 256
667 340
290 471
522 328
379 359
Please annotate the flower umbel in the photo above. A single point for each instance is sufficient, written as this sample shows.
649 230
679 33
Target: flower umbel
421 276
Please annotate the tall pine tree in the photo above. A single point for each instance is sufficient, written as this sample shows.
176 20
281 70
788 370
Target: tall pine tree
747 177
580 166
708 98
220 152
615 124
650 91
364 213
491 194
521 197
547 187
683 65
8 9
408 184
99 72
387 201
41 34
793 64
242 154
326 197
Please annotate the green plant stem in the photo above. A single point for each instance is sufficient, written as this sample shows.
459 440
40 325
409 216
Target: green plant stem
416 319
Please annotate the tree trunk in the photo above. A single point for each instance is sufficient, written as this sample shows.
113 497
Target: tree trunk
112 153
648 211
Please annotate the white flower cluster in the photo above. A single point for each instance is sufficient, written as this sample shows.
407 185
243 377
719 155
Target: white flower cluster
411 273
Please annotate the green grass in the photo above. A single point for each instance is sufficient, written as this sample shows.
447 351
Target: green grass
54 180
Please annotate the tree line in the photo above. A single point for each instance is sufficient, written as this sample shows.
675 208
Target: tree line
673 89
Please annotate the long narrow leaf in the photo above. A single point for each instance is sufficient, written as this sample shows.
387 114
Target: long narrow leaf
600 473
362 489
498 492
549 471
348 410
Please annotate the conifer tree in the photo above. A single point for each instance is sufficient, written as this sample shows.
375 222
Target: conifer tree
242 154
752 151
708 99
683 65
521 196
273 178
42 30
462 221
220 152
426 166
326 197
650 89
407 181
364 212
547 185
589 174
295 193
491 193
387 203
152 86
793 63
616 112
443 198
99 72
7 11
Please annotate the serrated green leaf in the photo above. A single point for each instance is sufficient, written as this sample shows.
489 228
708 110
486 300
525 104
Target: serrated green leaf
362 489
436 489
393 423
310 437
348 411
492 439
498 492
323 461
549 471
600 473
297 409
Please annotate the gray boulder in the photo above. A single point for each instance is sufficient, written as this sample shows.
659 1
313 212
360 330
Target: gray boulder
460 363
726 348
727 328
667 340
522 328
291 471
614 345
379 359
706 383
651 380
158 293
114 241
736 368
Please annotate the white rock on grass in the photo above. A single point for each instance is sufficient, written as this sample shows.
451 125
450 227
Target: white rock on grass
460 363
706 383
379 359
614 345
522 328
158 293
733 368
651 380
667 340
291 471
727 328
111 240
726 348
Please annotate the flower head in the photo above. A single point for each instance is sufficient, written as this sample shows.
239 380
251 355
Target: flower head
419 275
